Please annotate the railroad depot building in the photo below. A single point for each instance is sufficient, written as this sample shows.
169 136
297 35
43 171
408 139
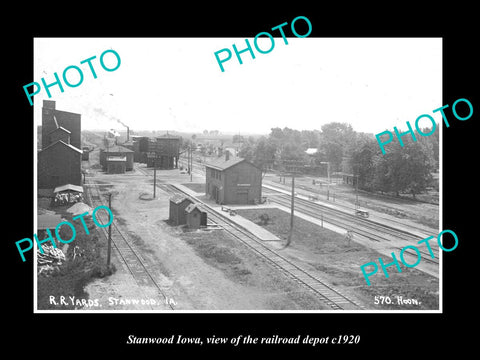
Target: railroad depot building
233 181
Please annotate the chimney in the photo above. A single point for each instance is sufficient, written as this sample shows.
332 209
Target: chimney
128 133
227 155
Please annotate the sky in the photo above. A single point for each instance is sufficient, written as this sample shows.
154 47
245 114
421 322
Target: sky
176 84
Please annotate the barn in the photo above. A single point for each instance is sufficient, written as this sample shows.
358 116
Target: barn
232 180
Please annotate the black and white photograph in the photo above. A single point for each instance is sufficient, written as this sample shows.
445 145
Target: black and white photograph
253 186
291 181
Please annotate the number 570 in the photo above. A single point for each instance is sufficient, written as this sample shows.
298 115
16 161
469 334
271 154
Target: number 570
382 300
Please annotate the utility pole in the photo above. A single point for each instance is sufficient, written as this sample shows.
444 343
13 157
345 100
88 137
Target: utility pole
191 164
155 175
109 246
357 204
292 207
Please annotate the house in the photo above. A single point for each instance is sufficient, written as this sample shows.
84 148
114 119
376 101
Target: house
195 216
178 204
233 181
59 164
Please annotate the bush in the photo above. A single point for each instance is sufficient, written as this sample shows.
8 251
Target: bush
264 219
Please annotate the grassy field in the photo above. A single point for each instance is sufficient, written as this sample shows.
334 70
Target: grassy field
339 262
240 265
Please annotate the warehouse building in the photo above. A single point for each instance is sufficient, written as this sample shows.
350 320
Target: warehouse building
116 152
59 164
233 181
53 120
116 164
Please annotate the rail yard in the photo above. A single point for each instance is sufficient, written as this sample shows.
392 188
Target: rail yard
227 265
267 253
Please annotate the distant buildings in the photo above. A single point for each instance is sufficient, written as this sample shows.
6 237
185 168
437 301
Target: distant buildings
161 152
233 181
60 159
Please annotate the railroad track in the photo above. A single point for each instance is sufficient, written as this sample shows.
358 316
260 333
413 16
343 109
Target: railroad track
127 252
329 295
310 192
367 228
141 170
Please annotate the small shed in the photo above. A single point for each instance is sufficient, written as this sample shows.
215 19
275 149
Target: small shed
178 204
47 222
195 216
116 164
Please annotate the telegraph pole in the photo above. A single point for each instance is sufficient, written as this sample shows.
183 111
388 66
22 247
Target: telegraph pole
155 176
292 207
191 163
109 246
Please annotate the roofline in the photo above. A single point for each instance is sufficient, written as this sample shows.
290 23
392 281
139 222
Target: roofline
228 167
66 112
61 128
64 143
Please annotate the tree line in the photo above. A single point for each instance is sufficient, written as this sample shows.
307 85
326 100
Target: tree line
401 169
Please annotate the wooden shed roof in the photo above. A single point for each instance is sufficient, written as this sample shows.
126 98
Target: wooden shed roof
190 208
67 187
178 199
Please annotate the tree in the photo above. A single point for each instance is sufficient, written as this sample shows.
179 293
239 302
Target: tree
362 162
238 139
336 138
404 169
